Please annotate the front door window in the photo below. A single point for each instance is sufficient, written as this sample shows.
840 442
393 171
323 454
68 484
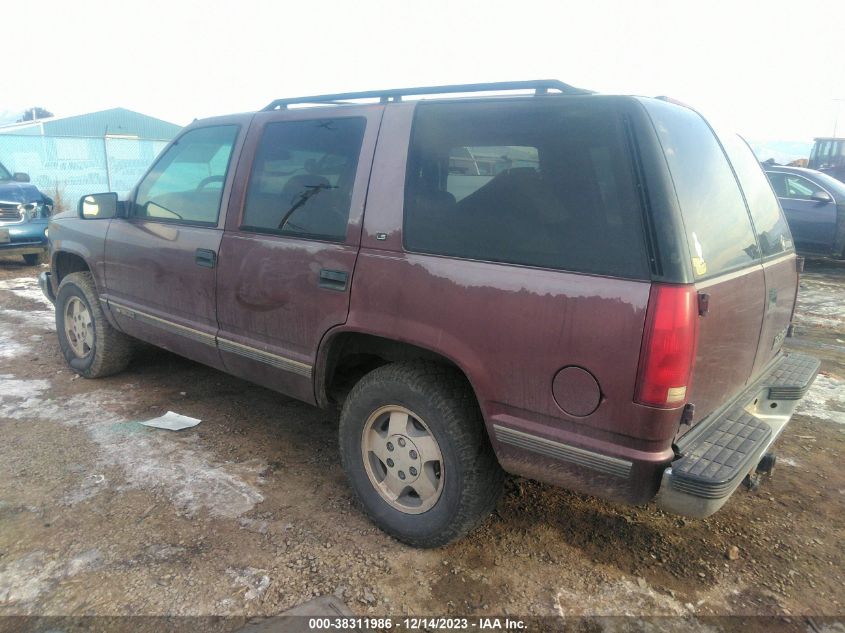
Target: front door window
799 188
186 183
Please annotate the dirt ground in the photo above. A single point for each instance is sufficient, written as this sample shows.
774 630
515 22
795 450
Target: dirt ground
248 513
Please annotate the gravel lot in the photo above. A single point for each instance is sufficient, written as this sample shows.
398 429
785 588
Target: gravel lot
248 514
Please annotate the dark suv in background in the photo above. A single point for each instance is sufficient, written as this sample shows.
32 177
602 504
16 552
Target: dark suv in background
589 290
24 214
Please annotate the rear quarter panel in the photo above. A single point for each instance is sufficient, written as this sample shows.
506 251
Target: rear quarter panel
510 329
781 275
728 337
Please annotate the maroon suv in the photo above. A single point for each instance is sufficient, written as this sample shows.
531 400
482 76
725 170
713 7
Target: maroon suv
584 289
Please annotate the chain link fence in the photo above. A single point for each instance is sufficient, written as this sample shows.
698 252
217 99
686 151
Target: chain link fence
68 167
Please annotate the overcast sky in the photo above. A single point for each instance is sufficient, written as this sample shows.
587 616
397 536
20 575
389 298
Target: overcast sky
772 69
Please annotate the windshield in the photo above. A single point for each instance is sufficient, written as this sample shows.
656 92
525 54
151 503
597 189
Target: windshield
4 173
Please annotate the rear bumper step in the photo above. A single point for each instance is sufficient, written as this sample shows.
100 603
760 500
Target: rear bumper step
791 380
720 454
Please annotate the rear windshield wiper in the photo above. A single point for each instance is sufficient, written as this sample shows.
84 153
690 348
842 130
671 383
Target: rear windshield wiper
305 196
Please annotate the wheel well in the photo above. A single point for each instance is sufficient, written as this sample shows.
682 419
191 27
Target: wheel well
352 355
66 263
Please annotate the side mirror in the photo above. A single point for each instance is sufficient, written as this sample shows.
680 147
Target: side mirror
98 206
822 197
19 176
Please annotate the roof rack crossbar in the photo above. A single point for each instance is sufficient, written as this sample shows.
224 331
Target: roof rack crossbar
540 87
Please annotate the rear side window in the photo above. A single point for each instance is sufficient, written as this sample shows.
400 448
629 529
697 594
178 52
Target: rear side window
718 228
302 178
544 183
772 230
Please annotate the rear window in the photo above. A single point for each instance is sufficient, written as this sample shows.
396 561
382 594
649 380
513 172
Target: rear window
772 230
716 220
539 183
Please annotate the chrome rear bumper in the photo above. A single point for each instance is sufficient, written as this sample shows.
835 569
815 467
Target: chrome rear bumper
718 454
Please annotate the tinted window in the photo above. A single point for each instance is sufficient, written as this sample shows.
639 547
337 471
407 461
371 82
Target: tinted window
302 178
718 228
470 168
543 183
772 230
4 174
186 183
778 181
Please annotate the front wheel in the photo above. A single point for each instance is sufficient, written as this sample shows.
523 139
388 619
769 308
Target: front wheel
413 446
33 259
89 343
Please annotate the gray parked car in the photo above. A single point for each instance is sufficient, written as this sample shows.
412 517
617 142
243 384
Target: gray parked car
814 205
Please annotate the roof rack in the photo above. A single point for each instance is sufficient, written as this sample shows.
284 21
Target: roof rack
539 86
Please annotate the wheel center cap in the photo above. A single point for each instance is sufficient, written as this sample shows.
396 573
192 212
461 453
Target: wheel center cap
406 458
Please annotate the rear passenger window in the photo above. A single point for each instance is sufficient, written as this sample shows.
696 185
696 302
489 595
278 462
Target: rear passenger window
778 183
772 230
718 228
542 183
302 178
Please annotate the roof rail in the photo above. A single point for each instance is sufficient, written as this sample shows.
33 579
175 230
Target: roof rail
539 86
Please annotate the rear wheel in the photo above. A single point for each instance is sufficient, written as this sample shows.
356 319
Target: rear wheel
91 346
412 443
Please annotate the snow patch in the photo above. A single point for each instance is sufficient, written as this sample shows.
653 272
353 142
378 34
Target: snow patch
619 598
825 400
255 580
18 395
24 579
820 303
187 475
11 349
26 288
45 319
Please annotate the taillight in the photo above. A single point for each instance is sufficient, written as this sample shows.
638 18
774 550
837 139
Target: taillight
669 344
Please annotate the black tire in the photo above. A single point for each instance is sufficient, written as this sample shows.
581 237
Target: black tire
111 350
444 399
33 259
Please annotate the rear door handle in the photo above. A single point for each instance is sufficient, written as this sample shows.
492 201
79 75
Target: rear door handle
205 258
333 279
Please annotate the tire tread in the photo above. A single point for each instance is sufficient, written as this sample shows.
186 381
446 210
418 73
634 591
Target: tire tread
112 348
449 392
